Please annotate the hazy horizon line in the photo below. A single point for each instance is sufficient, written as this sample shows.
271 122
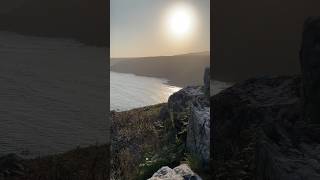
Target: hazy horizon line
187 53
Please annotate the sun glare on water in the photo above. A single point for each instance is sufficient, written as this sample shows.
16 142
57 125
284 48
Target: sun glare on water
180 20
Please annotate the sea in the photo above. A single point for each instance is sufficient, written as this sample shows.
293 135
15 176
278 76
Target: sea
129 91
52 100
52 97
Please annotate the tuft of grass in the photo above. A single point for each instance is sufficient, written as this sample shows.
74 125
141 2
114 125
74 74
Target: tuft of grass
135 133
194 162
169 155
241 165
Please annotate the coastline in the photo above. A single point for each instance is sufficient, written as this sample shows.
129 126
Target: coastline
146 90
180 70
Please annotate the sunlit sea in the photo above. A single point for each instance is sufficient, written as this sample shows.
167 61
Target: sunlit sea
128 91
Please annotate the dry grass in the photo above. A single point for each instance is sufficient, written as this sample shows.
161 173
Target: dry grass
241 164
134 133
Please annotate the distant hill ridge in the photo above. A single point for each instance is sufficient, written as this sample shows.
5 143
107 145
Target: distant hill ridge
201 53
180 70
83 20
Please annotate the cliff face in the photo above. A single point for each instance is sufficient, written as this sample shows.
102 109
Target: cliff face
189 111
198 131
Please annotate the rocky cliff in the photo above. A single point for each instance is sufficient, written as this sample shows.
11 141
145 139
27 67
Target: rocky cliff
267 128
180 127
188 110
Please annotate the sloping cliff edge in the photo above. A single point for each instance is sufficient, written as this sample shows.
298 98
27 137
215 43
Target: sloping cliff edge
165 141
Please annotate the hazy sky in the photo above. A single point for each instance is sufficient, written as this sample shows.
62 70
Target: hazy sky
141 28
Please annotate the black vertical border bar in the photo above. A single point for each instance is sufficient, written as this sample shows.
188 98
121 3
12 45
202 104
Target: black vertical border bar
108 83
211 77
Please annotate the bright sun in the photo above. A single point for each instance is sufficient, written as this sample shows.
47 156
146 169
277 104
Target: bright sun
180 20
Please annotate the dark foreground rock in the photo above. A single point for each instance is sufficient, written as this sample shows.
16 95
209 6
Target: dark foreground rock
310 66
260 133
268 128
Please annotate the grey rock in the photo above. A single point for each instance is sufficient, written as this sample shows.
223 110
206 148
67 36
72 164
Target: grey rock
182 172
185 171
166 173
189 111
179 107
218 86
261 121
198 133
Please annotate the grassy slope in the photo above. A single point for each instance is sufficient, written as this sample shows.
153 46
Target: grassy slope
136 134
144 140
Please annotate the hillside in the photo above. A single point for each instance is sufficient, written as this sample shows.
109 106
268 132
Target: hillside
180 70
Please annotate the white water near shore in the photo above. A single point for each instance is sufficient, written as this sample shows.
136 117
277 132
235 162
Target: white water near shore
128 91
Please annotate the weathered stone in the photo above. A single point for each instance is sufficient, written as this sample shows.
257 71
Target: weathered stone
259 131
198 133
185 171
310 66
182 172
179 106
166 173
218 86
189 110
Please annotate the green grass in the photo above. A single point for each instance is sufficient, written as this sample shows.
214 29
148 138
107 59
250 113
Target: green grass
169 155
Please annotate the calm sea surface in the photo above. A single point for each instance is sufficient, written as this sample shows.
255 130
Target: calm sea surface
52 95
